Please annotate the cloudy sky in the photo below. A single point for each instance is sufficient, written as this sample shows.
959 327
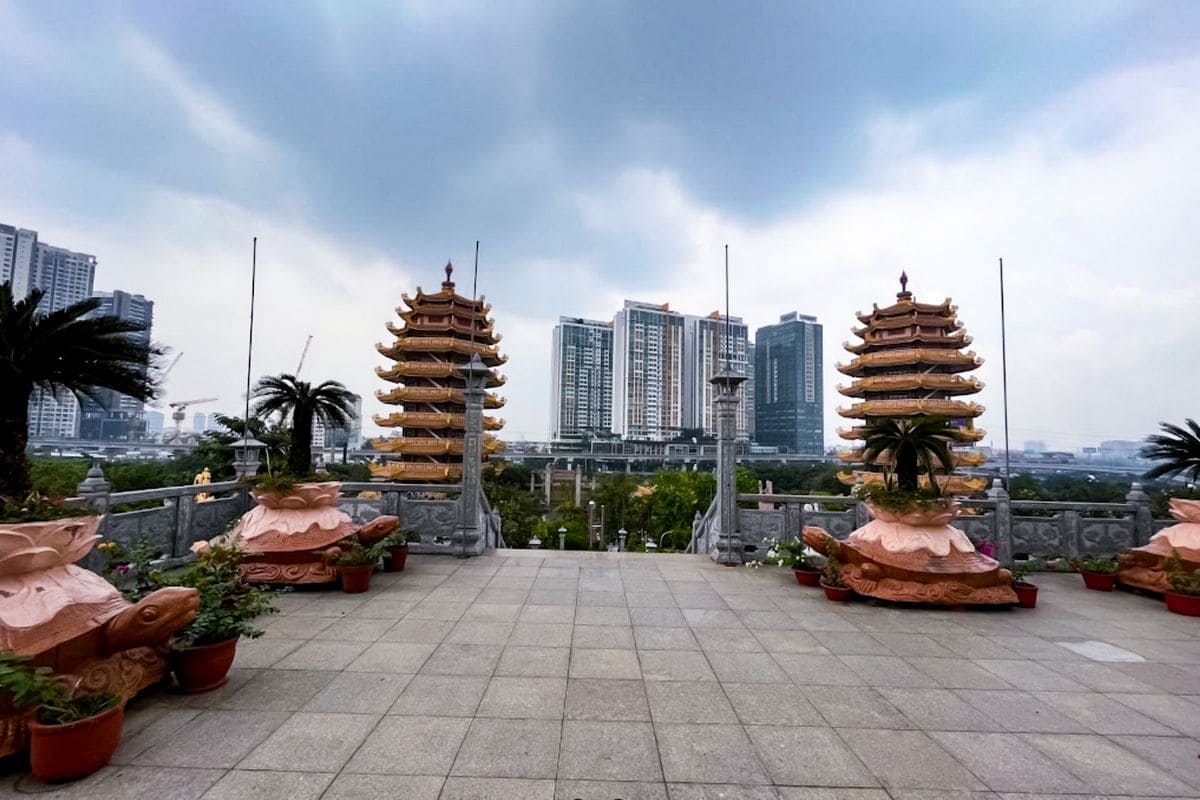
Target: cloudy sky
608 150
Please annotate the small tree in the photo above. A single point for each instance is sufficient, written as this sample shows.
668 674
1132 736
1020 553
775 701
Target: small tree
68 350
915 446
1178 449
330 402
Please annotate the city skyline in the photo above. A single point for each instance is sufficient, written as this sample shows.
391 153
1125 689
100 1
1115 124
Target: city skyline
366 146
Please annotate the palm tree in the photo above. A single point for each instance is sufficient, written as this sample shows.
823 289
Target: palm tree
1177 447
916 446
331 402
61 351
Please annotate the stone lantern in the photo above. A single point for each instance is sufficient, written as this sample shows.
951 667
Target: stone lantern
247 455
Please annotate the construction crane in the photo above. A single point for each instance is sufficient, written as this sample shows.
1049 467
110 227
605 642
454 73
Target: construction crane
303 353
177 410
171 366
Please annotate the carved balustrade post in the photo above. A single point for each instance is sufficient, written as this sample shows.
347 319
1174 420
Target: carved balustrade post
1002 529
1069 520
95 490
729 544
1143 521
181 537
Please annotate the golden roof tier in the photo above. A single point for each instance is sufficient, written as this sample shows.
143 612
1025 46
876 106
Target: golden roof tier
408 395
432 445
943 383
405 371
962 458
909 363
438 334
913 407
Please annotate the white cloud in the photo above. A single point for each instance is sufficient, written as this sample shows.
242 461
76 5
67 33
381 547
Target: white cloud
1092 205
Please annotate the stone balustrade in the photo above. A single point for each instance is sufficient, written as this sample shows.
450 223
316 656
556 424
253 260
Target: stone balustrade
1022 527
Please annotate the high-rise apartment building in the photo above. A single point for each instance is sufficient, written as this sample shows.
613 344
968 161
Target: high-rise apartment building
66 277
647 372
788 406
118 417
337 437
581 382
709 344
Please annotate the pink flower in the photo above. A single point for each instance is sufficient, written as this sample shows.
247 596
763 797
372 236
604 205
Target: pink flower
123 569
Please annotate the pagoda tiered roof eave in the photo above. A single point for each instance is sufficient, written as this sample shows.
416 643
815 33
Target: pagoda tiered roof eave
448 297
944 309
433 445
949 484
962 458
416 471
930 356
963 435
484 334
913 320
432 420
933 381
957 339
912 407
402 395
402 371
441 344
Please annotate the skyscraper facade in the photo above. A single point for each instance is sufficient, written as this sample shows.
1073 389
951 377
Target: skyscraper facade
647 372
788 406
581 382
66 277
709 344
117 417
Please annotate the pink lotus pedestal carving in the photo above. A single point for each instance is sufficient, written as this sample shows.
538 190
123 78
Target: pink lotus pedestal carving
917 557
284 534
75 622
1143 566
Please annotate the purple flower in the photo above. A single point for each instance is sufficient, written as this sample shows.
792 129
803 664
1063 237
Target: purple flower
123 569
986 548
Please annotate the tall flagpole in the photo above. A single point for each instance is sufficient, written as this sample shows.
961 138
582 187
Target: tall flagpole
1004 380
250 347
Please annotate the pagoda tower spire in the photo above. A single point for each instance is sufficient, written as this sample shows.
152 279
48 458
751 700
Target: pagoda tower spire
439 334
910 362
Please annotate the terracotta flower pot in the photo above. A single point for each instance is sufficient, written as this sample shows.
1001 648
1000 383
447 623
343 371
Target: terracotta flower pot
66 752
204 668
1026 594
1100 581
356 579
807 577
1186 604
837 593
396 558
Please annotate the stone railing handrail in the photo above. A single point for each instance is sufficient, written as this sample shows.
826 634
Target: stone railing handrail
967 502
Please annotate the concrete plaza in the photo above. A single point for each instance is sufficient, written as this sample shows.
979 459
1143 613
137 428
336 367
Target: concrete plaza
540 675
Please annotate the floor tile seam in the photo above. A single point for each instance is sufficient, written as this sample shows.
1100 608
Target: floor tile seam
292 716
1081 774
936 744
1179 731
1008 686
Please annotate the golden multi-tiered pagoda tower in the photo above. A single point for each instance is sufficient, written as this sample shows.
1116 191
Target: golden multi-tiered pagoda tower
439 335
910 363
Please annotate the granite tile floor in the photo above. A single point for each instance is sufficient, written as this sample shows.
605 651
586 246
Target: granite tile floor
551 676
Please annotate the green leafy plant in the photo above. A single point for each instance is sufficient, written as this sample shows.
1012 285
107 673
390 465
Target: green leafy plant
128 568
889 497
36 507
37 688
831 574
1022 569
350 552
915 447
399 539
1180 579
228 604
1105 564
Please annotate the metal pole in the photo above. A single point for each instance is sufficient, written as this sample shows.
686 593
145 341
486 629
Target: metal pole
250 347
1004 380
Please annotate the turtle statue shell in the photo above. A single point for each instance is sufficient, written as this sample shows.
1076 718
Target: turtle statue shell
75 622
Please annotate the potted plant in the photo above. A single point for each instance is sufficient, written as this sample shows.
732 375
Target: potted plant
1099 572
1183 596
804 567
1026 591
204 650
396 547
355 562
70 735
831 576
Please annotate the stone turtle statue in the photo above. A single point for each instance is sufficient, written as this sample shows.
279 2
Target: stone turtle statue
75 622
284 535
1143 566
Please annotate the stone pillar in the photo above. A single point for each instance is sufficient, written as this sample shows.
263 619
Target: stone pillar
95 490
578 486
729 543
549 481
1002 523
470 543
181 541
1143 521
